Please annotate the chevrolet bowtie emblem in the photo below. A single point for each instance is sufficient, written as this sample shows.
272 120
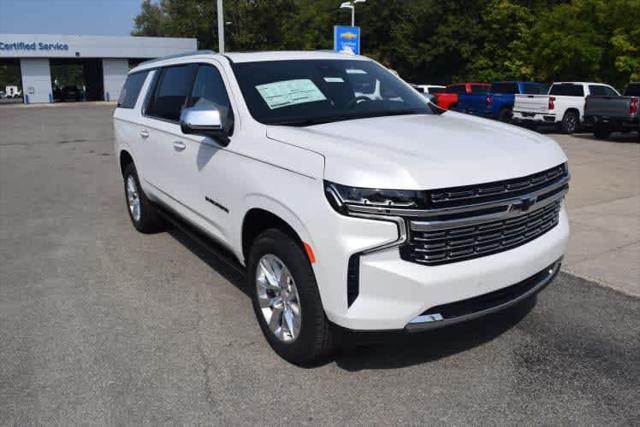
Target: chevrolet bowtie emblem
524 204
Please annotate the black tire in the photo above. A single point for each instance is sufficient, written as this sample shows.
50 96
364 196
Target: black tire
569 122
601 130
505 115
148 221
314 340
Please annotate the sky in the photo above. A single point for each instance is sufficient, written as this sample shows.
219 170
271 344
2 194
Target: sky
86 17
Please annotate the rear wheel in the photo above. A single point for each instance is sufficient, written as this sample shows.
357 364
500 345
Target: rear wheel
505 115
141 210
286 299
569 122
601 130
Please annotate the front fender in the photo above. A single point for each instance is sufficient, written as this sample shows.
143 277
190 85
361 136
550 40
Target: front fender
275 207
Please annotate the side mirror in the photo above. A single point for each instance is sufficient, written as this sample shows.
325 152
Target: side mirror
205 121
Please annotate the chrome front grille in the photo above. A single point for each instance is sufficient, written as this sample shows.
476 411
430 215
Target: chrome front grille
469 222
473 194
463 243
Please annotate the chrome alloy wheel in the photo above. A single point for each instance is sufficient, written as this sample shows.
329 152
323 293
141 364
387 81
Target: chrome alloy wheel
133 198
278 298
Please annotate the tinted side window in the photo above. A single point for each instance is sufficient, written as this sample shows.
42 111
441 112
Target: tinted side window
479 88
633 89
567 90
209 89
508 88
171 92
131 89
597 90
535 89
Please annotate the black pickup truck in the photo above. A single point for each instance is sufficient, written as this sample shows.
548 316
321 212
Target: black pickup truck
614 113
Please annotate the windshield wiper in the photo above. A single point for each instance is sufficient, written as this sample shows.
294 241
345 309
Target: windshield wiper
342 117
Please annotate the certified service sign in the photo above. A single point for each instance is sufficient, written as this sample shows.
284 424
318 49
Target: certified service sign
26 46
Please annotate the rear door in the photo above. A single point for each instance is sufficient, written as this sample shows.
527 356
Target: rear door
126 116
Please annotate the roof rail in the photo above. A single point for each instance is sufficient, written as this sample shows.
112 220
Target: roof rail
179 55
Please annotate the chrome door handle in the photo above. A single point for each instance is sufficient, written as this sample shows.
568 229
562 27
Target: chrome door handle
144 133
179 145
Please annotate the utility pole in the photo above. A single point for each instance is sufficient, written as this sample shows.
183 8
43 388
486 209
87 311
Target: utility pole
352 5
220 26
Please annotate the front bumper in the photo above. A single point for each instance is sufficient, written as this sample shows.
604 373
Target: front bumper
394 292
473 308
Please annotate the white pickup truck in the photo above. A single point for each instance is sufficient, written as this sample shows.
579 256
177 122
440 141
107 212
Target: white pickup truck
563 106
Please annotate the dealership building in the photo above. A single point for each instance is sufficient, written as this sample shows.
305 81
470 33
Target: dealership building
103 61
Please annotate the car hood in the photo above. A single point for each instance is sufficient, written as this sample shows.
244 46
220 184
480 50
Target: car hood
423 151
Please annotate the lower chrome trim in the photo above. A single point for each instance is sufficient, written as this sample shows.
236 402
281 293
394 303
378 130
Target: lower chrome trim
431 321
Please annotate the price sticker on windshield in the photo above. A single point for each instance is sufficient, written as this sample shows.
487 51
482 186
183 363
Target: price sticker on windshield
290 92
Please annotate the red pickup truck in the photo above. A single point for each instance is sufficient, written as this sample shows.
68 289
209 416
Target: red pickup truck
449 98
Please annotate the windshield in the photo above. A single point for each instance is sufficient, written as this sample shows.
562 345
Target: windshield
307 92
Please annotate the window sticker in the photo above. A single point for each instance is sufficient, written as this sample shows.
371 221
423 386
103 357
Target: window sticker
290 92
355 71
333 80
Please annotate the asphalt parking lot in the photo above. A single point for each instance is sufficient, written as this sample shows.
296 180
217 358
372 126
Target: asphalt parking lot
102 325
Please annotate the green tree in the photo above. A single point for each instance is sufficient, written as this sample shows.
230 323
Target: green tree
505 50
430 41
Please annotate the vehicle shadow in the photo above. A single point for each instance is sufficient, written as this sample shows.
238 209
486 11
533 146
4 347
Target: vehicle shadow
212 254
615 138
360 350
401 349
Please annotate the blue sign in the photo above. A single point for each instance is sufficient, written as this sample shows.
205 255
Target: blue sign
346 39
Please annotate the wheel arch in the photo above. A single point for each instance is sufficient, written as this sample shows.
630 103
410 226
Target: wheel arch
124 159
572 110
265 213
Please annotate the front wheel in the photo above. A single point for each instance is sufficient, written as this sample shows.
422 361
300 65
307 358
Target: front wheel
286 299
569 122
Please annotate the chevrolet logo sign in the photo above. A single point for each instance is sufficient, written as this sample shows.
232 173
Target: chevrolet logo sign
524 204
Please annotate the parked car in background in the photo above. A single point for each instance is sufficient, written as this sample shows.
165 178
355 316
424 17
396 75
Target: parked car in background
2 94
449 98
433 89
471 97
12 91
563 106
429 91
71 93
501 97
339 211
611 113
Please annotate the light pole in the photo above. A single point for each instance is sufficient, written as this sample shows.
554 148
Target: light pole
352 5
220 26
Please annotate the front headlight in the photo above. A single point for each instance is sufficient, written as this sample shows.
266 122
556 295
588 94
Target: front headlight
341 197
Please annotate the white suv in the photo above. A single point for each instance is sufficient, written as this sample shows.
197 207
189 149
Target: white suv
348 199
